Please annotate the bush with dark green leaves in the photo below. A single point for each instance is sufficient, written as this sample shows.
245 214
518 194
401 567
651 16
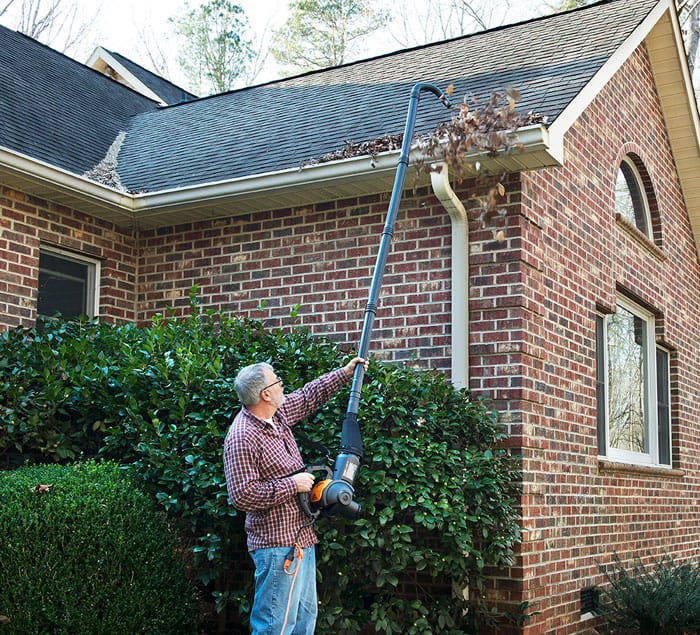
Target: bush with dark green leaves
663 599
438 491
84 551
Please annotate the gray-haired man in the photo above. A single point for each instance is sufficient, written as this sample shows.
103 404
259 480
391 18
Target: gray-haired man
262 465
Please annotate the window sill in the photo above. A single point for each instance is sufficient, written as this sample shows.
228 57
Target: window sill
606 466
639 237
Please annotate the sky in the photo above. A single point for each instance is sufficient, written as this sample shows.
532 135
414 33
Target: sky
120 26
123 26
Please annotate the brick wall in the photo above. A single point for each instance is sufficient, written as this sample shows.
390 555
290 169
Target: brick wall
26 223
534 302
321 258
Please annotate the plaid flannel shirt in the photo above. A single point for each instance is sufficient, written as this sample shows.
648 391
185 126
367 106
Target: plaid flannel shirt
259 460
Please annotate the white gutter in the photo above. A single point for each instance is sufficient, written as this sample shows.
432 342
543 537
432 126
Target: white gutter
130 207
460 274
294 178
33 169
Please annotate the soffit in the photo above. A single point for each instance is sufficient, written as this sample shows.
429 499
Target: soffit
678 104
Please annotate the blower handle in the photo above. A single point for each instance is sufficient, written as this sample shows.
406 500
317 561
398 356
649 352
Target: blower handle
350 438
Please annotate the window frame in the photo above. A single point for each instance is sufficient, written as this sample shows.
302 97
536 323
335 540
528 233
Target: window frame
92 278
656 398
637 193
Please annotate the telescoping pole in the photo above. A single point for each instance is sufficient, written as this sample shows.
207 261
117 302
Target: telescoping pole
351 439
348 460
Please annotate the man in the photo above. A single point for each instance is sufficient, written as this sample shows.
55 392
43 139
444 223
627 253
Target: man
262 465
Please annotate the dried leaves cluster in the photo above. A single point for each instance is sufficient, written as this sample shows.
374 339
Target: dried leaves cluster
351 149
474 130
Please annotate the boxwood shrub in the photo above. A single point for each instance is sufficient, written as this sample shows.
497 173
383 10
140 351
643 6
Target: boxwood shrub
84 551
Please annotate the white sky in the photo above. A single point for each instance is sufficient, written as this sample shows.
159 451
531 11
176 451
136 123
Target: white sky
121 25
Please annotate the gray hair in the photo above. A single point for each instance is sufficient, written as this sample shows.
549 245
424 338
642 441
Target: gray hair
250 381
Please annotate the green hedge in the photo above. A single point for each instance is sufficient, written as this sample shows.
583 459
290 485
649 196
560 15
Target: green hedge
83 551
662 599
439 493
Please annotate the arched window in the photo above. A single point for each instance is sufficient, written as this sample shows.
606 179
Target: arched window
631 202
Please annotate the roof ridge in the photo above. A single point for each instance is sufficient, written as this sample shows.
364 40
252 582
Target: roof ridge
402 51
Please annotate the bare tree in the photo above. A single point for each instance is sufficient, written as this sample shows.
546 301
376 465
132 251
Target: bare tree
57 23
150 48
415 22
4 6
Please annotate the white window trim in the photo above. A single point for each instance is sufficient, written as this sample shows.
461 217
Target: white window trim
93 276
643 192
650 392
668 421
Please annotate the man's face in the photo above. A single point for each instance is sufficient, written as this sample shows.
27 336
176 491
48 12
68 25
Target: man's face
274 389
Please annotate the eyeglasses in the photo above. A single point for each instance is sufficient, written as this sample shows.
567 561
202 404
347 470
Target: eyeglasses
274 383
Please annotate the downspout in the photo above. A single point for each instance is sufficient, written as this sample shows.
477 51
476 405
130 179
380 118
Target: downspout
440 181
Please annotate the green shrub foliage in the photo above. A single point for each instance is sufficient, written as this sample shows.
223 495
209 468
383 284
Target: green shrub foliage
438 493
83 551
660 600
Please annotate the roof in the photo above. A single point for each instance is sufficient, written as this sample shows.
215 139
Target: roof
278 125
241 151
57 110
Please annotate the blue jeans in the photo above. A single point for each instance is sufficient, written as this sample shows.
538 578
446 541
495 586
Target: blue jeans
284 603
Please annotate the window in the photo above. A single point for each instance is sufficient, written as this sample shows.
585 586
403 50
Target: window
632 388
630 198
67 284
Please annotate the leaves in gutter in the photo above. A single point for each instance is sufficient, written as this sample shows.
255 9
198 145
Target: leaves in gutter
476 128
352 149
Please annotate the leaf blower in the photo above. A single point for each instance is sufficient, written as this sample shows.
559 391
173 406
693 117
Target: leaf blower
334 493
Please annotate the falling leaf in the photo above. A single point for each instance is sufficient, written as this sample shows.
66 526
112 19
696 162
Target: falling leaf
4 619
449 90
500 236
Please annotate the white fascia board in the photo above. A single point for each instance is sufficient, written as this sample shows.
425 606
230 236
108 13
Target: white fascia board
129 78
266 182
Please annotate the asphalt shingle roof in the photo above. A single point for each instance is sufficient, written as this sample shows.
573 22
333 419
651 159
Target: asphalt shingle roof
278 125
57 110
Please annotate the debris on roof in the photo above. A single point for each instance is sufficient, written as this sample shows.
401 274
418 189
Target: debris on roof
105 171
351 149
